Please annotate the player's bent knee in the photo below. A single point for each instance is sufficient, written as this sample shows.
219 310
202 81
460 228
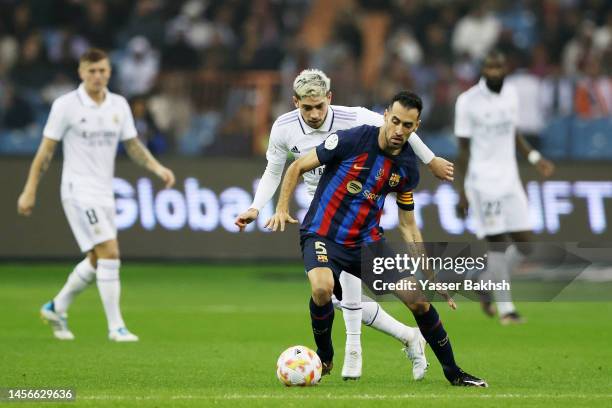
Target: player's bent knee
321 295
419 308
107 250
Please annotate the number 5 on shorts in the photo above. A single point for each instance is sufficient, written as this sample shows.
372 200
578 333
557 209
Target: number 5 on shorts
320 248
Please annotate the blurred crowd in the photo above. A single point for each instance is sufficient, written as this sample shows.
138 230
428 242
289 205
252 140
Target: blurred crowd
560 53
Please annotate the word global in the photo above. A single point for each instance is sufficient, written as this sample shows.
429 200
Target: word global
200 208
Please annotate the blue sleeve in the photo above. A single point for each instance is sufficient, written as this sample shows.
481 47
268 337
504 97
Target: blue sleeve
337 147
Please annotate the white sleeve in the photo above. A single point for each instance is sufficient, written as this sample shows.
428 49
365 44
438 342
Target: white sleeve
420 148
277 157
463 126
128 128
268 184
56 123
368 117
277 149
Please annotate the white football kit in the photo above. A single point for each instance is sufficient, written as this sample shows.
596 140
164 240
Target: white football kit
493 187
89 133
291 135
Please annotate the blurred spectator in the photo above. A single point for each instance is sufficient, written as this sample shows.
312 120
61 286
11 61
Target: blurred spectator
235 138
95 25
520 21
16 112
22 25
602 37
476 33
593 98
32 70
406 47
178 53
148 133
557 94
139 68
9 52
146 20
578 48
171 107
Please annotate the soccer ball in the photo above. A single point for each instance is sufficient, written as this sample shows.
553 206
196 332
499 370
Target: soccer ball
298 365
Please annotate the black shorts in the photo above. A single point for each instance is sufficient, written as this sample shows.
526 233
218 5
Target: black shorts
319 252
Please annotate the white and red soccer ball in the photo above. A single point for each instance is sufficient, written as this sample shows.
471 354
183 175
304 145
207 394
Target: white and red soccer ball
299 365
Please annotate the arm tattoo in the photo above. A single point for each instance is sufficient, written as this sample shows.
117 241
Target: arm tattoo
45 162
138 152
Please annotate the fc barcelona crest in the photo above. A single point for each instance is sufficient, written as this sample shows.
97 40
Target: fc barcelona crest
394 179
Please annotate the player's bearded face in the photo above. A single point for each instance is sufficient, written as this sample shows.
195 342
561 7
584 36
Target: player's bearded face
400 122
313 109
95 75
494 72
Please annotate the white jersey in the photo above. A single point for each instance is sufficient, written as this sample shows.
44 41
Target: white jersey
489 120
90 134
290 134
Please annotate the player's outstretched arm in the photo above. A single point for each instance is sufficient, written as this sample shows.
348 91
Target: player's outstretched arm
462 165
265 191
143 157
306 163
40 164
439 167
411 234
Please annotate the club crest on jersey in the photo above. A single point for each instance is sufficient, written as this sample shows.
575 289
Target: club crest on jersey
331 142
380 174
354 187
394 179
322 258
115 119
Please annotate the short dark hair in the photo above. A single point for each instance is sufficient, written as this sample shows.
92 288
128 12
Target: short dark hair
494 54
408 100
93 55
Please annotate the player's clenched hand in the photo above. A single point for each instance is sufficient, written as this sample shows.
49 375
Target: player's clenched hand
25 203
545 167
246 218
278 220
166 175
442 169
462 205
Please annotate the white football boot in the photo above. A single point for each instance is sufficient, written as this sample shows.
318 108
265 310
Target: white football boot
122 335
351 370
58 322
415 351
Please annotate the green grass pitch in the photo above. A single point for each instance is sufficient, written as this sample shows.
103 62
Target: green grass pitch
210 336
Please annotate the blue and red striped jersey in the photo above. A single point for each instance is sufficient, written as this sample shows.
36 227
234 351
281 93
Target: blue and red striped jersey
350 197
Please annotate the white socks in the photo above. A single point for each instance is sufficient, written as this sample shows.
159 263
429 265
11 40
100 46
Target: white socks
498 271
81 276
514 257
351 308
110 290
375 316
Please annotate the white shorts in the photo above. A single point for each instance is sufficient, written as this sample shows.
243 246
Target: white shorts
90 224
495 214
